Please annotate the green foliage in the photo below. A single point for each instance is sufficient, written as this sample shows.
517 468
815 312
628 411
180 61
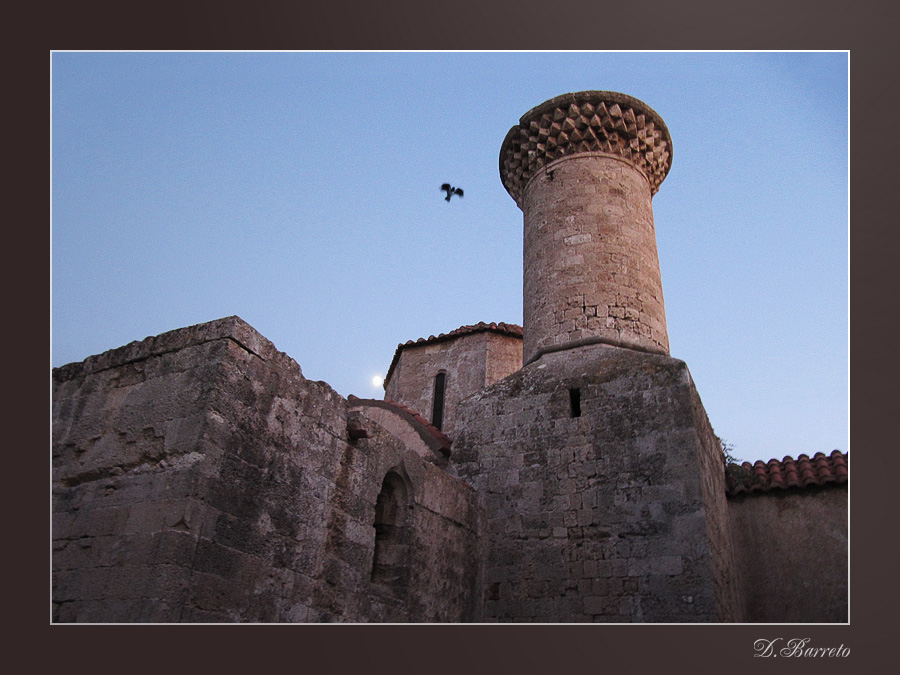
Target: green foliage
735 472
727 451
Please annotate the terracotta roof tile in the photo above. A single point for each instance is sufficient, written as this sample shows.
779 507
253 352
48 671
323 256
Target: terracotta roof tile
503 328
805 471
506 328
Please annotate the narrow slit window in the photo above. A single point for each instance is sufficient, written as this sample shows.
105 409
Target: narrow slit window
575 402
437 410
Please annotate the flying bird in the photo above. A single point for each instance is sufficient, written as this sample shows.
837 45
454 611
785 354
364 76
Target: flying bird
451 191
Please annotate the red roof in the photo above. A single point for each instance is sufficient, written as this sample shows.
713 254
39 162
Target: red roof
805 471
503 328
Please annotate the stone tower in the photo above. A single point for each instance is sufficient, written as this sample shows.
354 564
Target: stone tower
601 479
583 168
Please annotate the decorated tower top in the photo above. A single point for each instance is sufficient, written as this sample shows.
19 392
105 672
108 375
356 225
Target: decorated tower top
586 122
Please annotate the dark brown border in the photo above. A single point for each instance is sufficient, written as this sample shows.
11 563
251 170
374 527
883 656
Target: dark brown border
503 24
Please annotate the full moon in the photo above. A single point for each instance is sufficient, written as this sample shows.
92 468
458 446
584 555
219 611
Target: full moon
376 381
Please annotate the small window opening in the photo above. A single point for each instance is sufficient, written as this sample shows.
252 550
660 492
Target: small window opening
575 402
437 410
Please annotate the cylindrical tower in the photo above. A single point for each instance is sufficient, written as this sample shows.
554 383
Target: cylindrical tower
583 168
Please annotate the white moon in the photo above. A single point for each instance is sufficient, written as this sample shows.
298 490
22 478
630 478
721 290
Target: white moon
376 381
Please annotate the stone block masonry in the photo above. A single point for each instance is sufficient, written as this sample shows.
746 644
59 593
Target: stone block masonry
612 512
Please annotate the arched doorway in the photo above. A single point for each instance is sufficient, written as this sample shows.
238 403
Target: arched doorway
390 564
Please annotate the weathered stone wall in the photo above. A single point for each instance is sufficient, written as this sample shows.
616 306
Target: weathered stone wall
128 466
792 553
711 474
470 361
596 504
199 477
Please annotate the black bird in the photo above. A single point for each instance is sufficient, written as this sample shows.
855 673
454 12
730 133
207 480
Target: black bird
451 191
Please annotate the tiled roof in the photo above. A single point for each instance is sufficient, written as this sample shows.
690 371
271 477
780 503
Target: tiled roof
503 328
805 471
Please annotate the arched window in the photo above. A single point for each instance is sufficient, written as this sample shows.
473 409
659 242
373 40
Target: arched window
437 410
390 564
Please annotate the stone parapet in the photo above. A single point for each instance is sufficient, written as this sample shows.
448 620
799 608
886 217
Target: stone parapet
231 328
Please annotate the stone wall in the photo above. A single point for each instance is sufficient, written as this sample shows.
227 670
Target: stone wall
792 553
710 469
593 466
129 463
199 477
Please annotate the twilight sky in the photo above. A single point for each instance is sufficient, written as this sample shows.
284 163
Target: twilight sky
300 191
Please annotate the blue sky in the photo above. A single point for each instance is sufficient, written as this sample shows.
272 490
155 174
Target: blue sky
300 191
